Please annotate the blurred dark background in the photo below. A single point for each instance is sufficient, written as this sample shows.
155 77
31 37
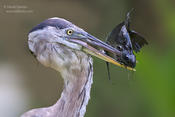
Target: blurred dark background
148 92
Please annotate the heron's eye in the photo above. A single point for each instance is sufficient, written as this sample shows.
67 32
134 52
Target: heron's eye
69 32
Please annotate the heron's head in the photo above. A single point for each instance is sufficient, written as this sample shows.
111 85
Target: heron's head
49 42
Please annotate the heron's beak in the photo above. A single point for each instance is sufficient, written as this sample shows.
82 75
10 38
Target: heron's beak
96 47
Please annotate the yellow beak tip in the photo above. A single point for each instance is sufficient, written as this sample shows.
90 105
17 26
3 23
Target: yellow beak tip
134 69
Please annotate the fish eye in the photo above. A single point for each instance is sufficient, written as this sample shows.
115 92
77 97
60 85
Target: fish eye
69 32
119 48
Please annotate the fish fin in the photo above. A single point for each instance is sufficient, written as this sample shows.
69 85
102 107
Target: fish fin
137 41
109 76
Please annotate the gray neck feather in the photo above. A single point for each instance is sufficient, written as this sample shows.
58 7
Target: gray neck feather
76 93
77 74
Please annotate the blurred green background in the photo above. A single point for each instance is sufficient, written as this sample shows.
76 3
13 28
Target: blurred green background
148 92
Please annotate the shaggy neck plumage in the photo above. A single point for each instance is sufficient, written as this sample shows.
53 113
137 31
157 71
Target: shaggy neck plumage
76 92
77 77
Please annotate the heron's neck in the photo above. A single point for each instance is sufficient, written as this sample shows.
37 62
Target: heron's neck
76 92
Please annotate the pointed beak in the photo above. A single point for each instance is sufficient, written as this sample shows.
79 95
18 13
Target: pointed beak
96 47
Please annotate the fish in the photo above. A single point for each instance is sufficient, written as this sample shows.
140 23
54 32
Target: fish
127 41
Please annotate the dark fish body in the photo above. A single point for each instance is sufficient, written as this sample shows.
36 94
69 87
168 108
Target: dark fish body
126 41
119 38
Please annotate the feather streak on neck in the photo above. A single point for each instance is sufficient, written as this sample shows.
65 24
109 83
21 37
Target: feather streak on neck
76 92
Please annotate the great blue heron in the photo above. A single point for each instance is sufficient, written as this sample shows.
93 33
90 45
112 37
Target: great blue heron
61 45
